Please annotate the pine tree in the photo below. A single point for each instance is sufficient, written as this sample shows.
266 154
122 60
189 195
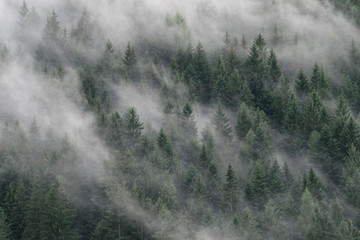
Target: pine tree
240 89
16 219
52 29
255 70
221 88
274 67
24 14
243 121
4 227
276 179
114 133
293 118
312 113
221 123
307 213
203 73
133 126
288 177
230 189
318 80
57 216
164 144
302 85
130 56
256 189
314 184
34 211
83 31
129 61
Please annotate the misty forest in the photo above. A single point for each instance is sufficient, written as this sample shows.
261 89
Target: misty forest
179 120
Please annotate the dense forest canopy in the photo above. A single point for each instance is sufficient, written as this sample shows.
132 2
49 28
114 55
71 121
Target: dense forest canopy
179 120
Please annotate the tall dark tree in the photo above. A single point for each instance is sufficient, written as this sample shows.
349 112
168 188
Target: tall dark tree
230 189
274 67
34 211
133 126
4 227
244 121
221 123
302 84
113 133
201 65
57 216
129 61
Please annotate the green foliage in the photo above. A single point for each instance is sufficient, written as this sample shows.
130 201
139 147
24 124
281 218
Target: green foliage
221 123
302 84
244 121
230 189
4 227
133 126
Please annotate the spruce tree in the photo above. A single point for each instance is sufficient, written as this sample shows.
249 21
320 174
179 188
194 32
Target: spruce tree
57 216
4 227
221 123
34 211
274 67
133 126
113 133
293 118
203 72
52 29
230 189
302 84
243 121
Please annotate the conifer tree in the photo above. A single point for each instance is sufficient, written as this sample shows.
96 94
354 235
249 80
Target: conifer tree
114 133
230 189
293 118
274 67
164 144
16 219
256 189
221 123
240 89
4 227
276 179
314 185
243 121
133 126
203 82
307 213
34 211
129 61
52 31
83 31
57 216
288 177
302 84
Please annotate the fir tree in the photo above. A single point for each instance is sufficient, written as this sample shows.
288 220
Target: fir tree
114 132
243 121
221 123
230 189
274 68
4 227
302 84
57 217
52 29
133 126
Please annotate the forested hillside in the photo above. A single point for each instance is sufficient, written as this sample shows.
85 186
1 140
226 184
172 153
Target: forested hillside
167 120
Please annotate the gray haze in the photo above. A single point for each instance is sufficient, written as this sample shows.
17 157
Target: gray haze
323 35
